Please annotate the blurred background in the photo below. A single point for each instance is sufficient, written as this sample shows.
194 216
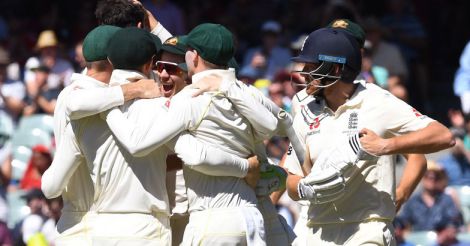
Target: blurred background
414 48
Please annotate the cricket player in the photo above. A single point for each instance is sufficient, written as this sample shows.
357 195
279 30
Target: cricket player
414 168
128 192
213 119
351 184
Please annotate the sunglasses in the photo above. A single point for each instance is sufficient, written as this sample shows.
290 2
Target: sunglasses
170 67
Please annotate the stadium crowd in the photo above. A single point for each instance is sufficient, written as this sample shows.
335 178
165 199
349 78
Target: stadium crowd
41 46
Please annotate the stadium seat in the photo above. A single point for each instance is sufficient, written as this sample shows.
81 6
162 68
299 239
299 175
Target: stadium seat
30 138
464 237
21 156
17 207
44 122
463 193
6 128
421 238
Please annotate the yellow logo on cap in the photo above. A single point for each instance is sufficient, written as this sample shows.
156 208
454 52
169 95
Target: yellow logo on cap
340 24
172 41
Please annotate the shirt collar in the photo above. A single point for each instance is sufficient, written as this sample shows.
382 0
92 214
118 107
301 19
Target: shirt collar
121 76
224 73
358 95
87 80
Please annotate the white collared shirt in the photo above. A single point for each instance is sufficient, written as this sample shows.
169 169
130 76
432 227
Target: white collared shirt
369 195
212 119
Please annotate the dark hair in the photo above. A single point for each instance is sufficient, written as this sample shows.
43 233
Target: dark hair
99 66
121 13
349 74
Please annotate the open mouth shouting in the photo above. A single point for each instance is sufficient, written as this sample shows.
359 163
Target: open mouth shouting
168 89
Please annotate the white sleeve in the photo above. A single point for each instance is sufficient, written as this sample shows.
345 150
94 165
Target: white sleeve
142 137
400 117
66 160
207 159
262 120
291 162
81 103
284 126
161 32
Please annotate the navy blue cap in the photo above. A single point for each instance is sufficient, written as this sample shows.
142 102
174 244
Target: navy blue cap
330 45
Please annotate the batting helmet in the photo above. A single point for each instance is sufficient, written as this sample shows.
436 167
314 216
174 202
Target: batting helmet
328 46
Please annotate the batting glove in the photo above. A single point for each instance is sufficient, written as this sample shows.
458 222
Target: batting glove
273 178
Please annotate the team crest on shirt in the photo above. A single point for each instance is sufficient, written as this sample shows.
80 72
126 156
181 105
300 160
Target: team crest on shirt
352 122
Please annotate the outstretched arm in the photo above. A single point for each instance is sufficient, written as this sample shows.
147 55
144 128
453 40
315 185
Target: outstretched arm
262 119
208 159
432 138
66 160
85 102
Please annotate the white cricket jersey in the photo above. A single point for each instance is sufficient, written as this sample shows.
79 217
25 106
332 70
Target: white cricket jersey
212 119
299 100
370 194
78 194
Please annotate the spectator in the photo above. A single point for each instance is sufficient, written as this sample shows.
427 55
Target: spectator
270 57
462 80
32 224
53 212
456 162
405 30
80 62
12 92
60 69
447 235
5 176
43 102
40 160
431 207
399 232
386 55
370 72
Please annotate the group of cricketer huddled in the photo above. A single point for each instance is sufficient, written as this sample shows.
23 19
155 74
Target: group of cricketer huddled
149 102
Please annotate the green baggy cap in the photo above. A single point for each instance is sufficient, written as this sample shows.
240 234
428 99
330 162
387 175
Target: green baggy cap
351 27
213 42
132 47
96 42
174 46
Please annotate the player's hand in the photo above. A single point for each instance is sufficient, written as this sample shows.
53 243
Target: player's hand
253 174
400 199
147 88
206 84
373 143
151 19
272 179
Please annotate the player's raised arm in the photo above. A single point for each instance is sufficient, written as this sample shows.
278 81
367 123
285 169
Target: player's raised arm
66 160
262 120
82 103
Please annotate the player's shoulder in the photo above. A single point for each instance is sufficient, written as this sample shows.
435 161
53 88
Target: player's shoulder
153 103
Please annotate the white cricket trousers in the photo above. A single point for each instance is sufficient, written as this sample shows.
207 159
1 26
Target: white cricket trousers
352 234
126 229
301 229
225 226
